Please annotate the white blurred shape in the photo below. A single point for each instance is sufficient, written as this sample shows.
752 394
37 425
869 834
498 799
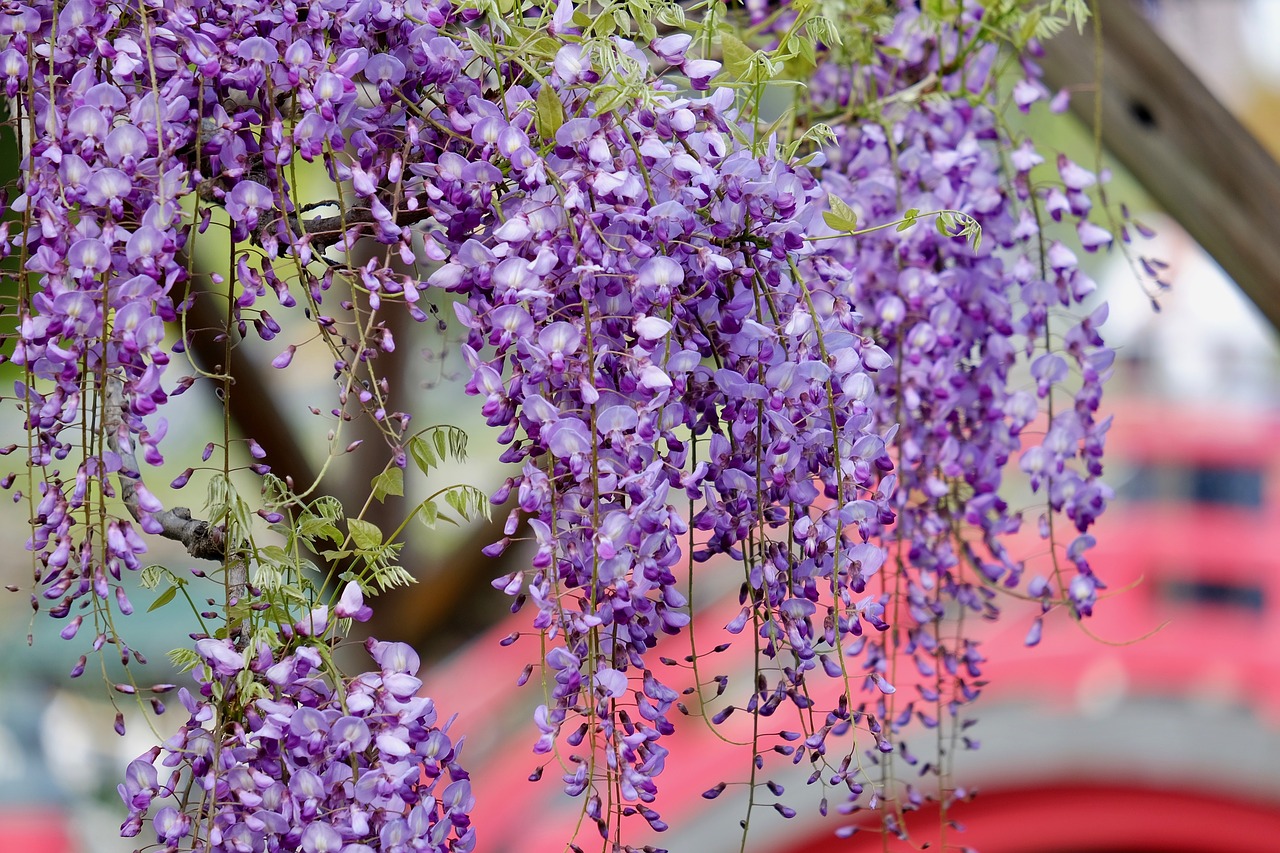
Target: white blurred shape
1260 30
1207 343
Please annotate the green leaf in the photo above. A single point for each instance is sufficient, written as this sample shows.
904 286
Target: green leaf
318 520
545 46
807 52
184 660
389 482
458 500
549 115
736 53
427 513
458 443
841 217
671 14
823 29
468 501
330 532
611 97
151 576
274 491
366 535
269 576
386 577
275 554
423 454
482 46
240 611
519 35
163 599
327 507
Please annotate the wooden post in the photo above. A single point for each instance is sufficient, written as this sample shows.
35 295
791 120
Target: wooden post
1189 152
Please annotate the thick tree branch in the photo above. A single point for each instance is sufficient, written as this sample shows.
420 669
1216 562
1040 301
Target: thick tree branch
324 231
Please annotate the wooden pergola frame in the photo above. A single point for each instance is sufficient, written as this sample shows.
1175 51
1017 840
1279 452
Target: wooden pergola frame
1188 151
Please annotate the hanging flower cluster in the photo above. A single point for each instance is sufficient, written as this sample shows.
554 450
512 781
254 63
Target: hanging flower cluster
960 321
648 281
100 206
308 763
692 351
982 355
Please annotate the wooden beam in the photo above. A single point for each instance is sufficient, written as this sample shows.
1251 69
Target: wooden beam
1189 152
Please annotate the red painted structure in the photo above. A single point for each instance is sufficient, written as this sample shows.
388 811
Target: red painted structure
35 830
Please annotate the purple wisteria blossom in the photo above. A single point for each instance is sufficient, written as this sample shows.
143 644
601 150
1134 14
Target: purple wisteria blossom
685 363
964 326
312 764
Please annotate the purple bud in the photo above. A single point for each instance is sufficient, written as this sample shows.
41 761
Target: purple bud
283 359
671 49
1033 635
700 72
70 631
314 623
721 716
1092 237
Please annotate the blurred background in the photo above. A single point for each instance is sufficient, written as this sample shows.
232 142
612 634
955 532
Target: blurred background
1158 732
